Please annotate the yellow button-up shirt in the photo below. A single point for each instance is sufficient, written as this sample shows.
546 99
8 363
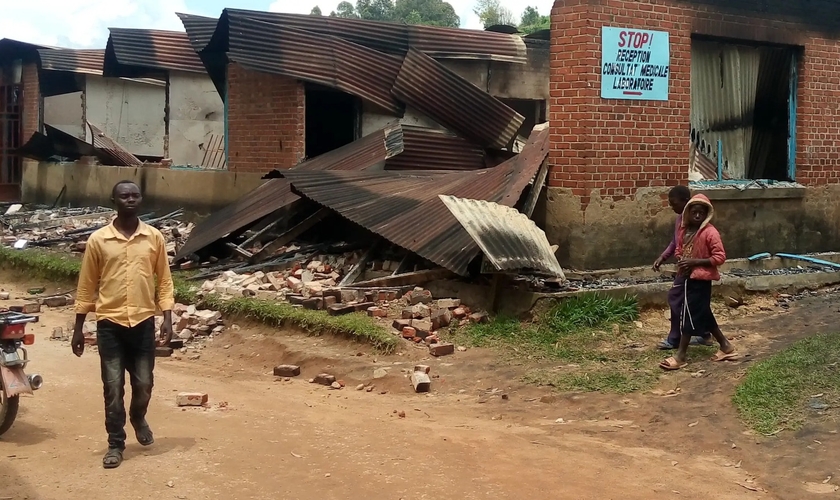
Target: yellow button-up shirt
117 279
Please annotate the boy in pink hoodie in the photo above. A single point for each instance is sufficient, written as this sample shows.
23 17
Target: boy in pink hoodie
699 252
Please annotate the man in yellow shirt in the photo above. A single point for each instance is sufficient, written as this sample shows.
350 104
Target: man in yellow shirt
117 282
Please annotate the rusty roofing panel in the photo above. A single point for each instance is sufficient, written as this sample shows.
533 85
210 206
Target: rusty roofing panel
144 52
72 60
199 29
404 207
433 149
452 101
118 155
507 237
324 60
396 38
275 194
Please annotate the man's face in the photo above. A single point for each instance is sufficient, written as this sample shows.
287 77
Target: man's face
677 205
697 214
127 198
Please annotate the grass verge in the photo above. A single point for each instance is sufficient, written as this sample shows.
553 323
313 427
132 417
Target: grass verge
65 269
594 335
778 392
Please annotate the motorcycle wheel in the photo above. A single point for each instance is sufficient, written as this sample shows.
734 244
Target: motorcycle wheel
8 411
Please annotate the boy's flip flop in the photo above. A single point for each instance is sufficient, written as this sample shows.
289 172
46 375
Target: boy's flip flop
722 356
671 364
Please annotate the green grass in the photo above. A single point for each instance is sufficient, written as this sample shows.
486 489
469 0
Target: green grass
579 331
65 269
775 393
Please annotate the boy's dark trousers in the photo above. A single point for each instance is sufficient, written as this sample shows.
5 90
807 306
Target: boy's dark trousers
124 349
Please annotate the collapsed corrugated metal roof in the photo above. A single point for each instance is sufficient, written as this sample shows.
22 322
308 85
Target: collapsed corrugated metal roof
275 194
404 207
507 237
452 101
397 38
433 149
55 143
119 156
72 60
309 57
144 52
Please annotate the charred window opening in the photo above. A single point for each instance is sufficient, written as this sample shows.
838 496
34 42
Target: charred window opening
743 111
332 120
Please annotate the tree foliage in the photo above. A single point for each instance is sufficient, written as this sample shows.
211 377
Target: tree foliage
428 12
492 12
532 21
316 11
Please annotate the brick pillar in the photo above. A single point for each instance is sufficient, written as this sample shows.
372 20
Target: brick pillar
31 101
266 122
612 160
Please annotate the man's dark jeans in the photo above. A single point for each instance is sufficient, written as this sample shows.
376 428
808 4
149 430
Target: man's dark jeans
124 349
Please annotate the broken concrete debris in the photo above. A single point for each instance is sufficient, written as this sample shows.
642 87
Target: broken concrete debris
324 379
286 371
69 228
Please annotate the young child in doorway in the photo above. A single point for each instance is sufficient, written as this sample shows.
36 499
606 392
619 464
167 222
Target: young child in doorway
699 252
678 197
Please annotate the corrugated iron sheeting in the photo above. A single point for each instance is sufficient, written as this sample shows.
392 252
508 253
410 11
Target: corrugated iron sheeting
432 149
199 29
509 239
404 207
144 52
119 156
452 101
396 38
700 162
324 60
72 60
276 194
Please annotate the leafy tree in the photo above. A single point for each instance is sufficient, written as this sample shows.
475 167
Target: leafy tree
532 21
375 10
428 12
492 12
316 11
346 10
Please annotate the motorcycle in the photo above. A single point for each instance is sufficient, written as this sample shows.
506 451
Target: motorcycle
13 359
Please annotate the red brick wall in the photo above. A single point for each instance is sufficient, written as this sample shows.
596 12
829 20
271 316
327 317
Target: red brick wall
266 121
619 146
31 101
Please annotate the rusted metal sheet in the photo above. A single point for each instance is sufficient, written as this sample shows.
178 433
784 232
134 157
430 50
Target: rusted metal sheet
433 149
452 101
405 208
199 29
55 143
397 38
507 237
119 156
72 60
325 60
144 52
275 194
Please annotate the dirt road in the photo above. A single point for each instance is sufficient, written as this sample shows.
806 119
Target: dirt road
263 438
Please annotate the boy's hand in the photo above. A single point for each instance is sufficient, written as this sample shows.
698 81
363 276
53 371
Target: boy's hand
688 264
658 264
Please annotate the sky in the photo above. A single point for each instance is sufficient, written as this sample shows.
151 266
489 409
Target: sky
85 23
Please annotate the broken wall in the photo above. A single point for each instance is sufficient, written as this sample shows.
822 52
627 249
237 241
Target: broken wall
66 113
163 189
196 113
128 112
266 118
612 161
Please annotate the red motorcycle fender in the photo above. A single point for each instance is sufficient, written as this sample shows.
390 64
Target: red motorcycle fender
14 381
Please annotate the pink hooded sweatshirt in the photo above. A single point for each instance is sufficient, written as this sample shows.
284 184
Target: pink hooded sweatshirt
706 244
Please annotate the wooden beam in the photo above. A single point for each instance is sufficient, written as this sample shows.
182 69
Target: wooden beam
402 265
239 250
291 234
536 189
415 278
356 270
259 234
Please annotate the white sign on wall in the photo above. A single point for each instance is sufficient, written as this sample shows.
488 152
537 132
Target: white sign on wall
635 64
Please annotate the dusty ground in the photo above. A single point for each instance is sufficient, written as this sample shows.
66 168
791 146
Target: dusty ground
264 438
